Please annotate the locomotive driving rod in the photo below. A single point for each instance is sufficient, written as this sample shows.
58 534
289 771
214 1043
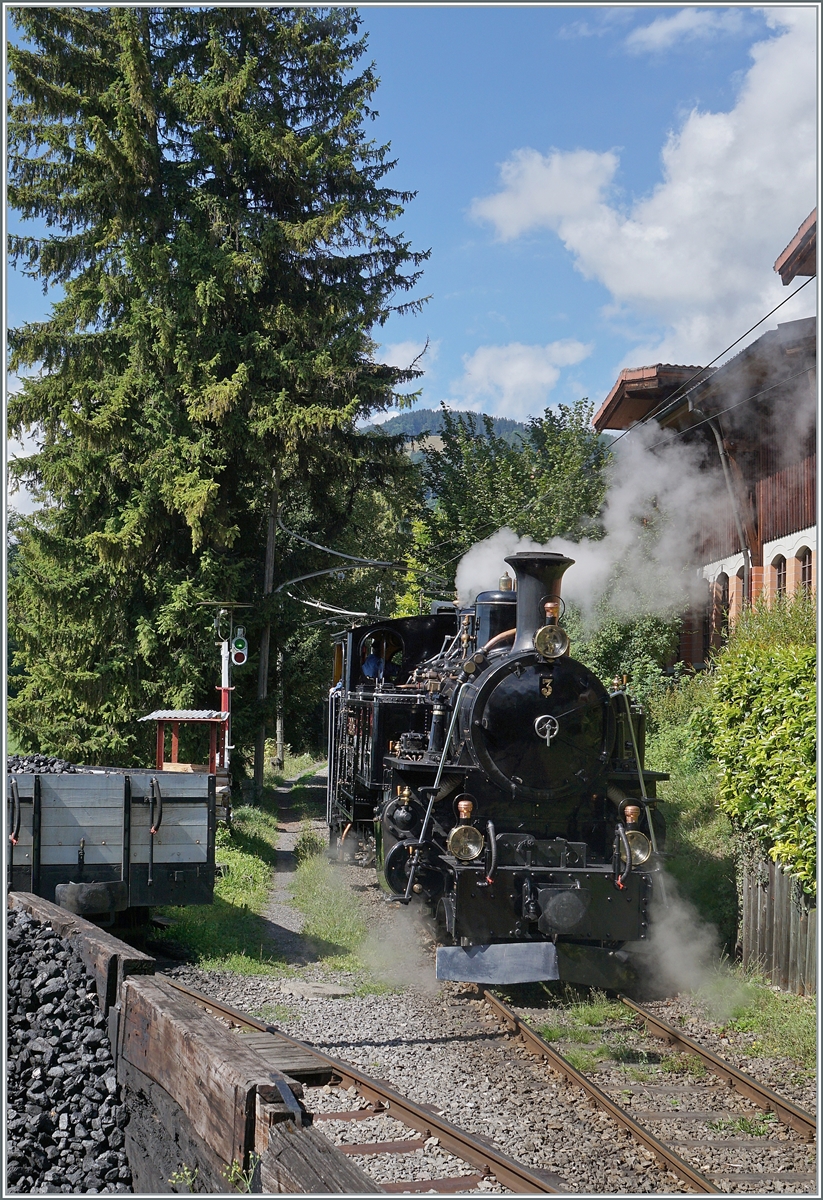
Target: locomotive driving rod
413 871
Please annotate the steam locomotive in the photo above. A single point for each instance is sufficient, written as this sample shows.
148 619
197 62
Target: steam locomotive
498 781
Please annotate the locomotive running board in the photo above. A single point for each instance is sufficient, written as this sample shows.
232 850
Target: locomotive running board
504 962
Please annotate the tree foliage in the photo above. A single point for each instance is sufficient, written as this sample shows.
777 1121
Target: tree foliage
548 482
216 218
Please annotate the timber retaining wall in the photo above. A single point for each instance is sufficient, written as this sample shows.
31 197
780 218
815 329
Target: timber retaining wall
200 1101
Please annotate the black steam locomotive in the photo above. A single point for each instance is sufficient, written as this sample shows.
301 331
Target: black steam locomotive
499 781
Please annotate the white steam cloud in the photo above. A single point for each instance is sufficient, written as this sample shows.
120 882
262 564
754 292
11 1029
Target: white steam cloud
660 500
683 951
397 953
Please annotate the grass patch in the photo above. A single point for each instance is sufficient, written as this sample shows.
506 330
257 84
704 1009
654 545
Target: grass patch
295 766
229 934
334 916
584 1059
783 1025
760 1125
683 1064
276 1012
553 1033
309 843
598 1010
638 1074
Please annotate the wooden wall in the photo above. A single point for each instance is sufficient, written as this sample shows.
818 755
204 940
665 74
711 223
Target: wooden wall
778 928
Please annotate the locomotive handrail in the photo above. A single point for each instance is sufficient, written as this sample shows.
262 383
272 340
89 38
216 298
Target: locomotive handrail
15 813
620 877
425 829
640 777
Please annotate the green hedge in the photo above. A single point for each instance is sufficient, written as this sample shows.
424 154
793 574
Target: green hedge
761 728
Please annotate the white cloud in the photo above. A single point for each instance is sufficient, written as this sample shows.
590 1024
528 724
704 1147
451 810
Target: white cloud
545 190
514 380
20 498
687 24
695 255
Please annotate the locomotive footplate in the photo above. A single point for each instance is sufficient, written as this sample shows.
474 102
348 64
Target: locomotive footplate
581 904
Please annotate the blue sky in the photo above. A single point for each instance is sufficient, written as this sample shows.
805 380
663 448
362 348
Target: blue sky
600 187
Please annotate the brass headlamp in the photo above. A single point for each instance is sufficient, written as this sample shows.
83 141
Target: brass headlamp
551 641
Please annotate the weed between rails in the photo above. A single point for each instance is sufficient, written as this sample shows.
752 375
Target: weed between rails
781 1024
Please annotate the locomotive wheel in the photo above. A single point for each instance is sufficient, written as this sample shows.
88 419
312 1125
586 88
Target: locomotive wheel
397 866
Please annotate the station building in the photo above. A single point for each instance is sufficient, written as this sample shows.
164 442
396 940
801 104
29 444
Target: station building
756 418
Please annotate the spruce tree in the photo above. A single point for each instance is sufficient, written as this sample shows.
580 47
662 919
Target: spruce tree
217 219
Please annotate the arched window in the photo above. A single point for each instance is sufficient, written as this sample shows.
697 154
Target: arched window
804 556
381 655
779 566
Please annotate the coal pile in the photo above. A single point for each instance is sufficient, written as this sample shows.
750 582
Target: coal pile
42 764
65 1115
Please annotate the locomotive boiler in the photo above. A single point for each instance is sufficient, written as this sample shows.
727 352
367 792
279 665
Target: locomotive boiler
500 783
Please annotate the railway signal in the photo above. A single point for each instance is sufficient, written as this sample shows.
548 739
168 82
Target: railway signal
239 648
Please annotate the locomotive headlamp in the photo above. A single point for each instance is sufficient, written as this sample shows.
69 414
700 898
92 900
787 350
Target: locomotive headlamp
551 641
465 842
639 845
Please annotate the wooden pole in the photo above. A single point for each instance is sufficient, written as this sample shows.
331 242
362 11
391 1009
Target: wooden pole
265 638
279 728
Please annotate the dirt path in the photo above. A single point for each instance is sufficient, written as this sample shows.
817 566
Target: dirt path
284 923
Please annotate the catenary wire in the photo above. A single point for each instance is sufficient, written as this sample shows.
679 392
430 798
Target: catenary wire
668 400
650 416
745 400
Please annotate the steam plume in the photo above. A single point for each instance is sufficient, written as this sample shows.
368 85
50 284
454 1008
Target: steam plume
659 500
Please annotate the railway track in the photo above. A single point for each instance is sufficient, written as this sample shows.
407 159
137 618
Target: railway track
692 1141
382 1106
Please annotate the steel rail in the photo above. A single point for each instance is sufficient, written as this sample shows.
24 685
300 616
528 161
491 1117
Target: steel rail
664 1155
477 1152
790 1114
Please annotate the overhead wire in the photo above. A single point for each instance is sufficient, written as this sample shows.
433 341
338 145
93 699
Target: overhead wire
680 390
745 400
668 400
675 394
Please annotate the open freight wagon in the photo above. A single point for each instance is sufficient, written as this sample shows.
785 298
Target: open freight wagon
102 841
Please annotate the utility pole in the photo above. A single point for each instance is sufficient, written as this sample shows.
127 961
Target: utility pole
280 752
265 638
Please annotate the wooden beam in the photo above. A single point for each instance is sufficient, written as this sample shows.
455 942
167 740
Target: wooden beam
303 1161
203 1066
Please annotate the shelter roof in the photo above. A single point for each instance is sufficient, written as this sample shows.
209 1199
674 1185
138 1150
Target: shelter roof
638 391
186 714
800 256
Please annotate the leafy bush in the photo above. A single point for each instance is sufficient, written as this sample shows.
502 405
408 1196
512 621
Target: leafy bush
764 740
637 647
759 726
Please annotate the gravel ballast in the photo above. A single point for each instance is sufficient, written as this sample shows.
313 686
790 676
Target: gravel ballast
440 1046
437 1048
65 1115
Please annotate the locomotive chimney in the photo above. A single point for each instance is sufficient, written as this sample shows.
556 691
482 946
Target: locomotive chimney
538 575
